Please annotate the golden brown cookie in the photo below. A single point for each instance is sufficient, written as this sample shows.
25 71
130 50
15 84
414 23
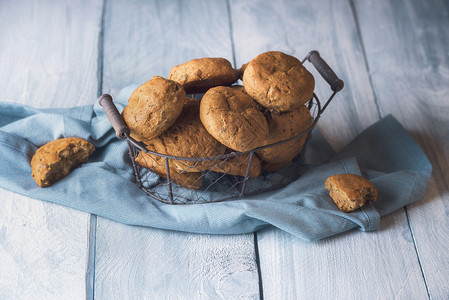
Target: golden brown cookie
278 81
233 118
237 165
153 107
350 191
199 75
240 88
58 158
241 70
187 137
281 127
156 164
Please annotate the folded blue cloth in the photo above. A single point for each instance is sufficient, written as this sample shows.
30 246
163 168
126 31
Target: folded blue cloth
105 185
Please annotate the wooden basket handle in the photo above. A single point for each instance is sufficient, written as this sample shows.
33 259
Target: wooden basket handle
117 122
323 68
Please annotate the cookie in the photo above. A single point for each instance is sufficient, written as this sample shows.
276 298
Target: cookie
241 70
281 127
239 88
58 158
350 191
233 118
156 164
199 75
278 81
153 107
238 165
188 137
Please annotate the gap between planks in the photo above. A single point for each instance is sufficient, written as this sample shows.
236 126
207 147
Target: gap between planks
90 273
365 59
103 84
234 63
380 114
376 114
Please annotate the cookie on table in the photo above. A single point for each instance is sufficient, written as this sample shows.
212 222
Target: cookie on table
233 118
199 75
157 165
58 158
350 191
283 126
153 107
278 81
188 137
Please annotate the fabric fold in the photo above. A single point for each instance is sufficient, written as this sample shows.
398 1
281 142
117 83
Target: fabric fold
105 185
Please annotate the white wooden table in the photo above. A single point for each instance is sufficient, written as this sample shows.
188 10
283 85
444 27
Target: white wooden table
393 57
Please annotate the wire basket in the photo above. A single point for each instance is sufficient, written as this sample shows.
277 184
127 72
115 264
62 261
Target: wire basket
188 180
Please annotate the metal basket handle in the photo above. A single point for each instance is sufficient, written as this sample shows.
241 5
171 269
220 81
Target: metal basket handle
326 72
117 122
323 68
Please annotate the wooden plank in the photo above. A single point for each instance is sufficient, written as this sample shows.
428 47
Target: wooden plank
407 53
153 37
43 249
353 265
49 52
144 39
297 27
149 263
49 59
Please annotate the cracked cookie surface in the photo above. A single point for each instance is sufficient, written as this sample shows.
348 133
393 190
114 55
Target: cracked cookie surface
200 74
350 191
153 107
283 126
278 81
188 137
233 118
58 158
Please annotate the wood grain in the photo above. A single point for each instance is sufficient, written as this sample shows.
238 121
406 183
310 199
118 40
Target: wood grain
408 56
145 263
49 59
353 265
297 27
152 37
143 39
43 249
49 52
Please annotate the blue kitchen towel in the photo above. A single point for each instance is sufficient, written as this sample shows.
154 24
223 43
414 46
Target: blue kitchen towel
105 185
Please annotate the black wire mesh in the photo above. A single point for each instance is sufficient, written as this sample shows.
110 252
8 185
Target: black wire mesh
188 180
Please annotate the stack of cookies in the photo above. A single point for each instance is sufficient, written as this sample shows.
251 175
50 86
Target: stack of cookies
267 109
